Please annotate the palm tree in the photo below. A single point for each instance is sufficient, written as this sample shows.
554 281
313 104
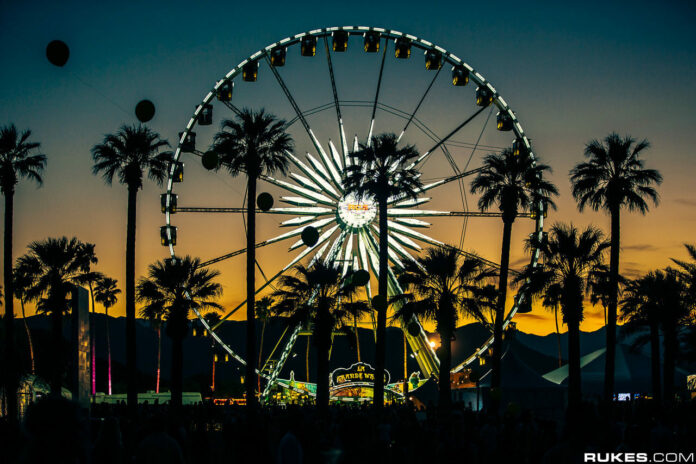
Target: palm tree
89 279
381 171
513 184
313 296
22 282
106 293
177 287
641 308
154 314
568 257
614 177
443 290
263 312
131 154
54 266
253 144
18 160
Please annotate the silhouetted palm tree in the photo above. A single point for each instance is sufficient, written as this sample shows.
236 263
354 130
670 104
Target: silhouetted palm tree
175 288
89 279
381 172
568 258
614 177
263 312
640 308
443 289
106 293
22 282
18 160
155 314
55 266
313 296
254 144
513 184
129 155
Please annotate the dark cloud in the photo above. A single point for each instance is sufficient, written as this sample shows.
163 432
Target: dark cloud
641 247
685 201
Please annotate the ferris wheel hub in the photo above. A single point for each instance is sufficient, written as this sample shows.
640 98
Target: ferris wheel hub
356 213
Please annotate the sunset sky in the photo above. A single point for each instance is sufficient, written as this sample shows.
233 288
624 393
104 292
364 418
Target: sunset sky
571 73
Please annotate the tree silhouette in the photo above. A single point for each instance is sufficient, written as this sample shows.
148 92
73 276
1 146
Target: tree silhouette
18 160
55 266
381 171
443 289
568 258
253 144
613 177
175 288
315 296
131 154
513 183
106 293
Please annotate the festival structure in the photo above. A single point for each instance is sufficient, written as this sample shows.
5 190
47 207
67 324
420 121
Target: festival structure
344 226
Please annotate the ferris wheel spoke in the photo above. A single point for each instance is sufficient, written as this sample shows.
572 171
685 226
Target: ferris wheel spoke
339 117
317 175
322 172
446 138
232 107
294 261
390 252
304 210
420 102
379 86
347 257
299 190
300 243
400 199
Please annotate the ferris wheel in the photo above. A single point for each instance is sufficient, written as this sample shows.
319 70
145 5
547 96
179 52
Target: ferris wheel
302 78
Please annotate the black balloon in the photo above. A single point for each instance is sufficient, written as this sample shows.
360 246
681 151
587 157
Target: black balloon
264 201
210 160
414 329
310 236
57 53
361 277
145 110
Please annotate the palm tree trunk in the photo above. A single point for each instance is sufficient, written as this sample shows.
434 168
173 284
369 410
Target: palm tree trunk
11 371
574 382
380 345
655 361
445 400
177 371
29 340
57 303
307 360
558 336
323 345
357 336
108 349
92 341
496 375
212 384
131 366
405 368
670 341
263 332
609 365
159 356
250 383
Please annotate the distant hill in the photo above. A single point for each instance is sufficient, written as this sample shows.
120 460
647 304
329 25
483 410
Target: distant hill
538 352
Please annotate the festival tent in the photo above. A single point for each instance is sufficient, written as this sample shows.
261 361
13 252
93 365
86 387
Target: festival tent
632 372
521 386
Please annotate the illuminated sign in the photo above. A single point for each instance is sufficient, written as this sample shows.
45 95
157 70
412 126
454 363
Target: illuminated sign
357 374
356 212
